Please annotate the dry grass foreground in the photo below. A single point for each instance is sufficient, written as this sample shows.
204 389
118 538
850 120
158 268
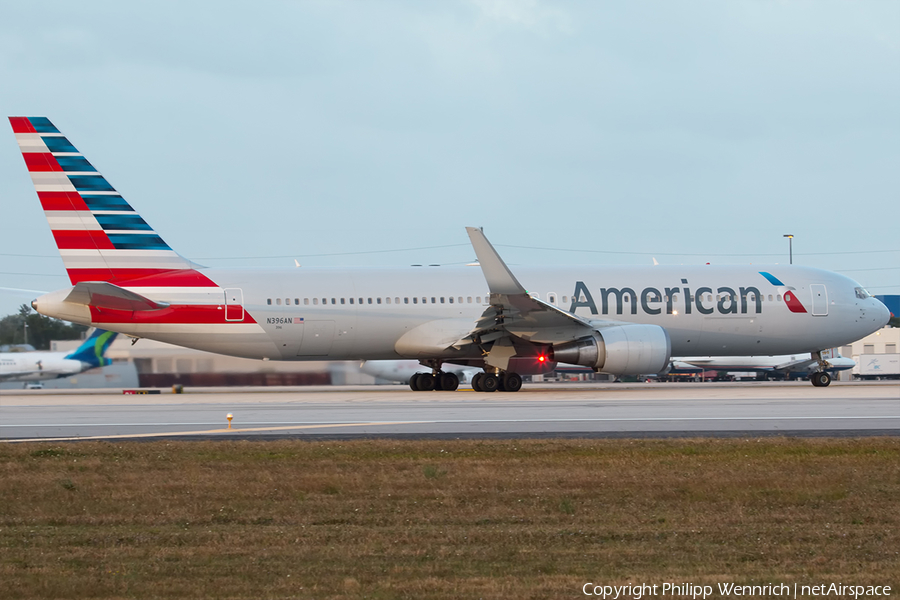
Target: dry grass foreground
442 519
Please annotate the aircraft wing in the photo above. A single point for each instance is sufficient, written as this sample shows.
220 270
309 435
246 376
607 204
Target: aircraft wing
796 366
514 316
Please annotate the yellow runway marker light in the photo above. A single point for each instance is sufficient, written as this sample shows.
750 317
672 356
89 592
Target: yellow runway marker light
229 416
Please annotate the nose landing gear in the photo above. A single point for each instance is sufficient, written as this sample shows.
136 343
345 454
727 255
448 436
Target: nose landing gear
820 379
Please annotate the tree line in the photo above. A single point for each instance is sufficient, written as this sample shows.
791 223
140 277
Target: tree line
29 327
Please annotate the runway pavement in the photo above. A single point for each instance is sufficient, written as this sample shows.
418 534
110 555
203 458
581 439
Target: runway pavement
539 410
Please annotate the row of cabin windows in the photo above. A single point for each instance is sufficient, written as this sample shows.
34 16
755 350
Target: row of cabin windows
396 300
468 300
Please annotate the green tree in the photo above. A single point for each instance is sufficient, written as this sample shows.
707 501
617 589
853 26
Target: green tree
29 327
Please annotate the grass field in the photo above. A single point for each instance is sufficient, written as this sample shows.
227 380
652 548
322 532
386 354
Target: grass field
442 519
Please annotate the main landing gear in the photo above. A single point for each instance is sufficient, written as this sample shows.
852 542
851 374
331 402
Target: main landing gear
505 381
426 382
820 379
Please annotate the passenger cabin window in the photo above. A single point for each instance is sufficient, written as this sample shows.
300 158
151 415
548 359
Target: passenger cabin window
306 301
269 301
406 301
342 301
333 301
377 300
278 301
315 301
469 299
551 298
450 299
351 300
415 300
370 301
296 301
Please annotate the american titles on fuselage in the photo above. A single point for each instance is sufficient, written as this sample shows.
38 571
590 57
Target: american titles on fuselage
653 301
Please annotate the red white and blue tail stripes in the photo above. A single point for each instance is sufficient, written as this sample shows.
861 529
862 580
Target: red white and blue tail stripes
102 239
99 235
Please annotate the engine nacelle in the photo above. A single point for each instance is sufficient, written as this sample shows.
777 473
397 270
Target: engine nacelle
619 350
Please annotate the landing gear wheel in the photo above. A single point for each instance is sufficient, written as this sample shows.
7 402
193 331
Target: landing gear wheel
821 379
490 382
512 382
476 382
449 382
414 382
425 382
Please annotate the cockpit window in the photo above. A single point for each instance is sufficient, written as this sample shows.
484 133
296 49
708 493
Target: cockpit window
862 294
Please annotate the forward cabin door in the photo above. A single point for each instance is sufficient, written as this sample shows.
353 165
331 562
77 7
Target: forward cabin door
819 300
234 304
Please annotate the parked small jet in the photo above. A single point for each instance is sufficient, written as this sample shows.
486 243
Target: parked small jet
38 366
618 320
770 366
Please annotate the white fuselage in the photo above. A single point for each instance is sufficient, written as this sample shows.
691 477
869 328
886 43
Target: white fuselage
37 366
372 314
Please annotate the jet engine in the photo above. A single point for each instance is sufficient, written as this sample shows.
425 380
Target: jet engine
619 350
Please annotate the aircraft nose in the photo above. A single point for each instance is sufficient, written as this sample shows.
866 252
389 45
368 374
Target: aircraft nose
884 315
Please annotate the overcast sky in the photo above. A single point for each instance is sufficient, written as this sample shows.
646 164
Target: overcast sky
372 133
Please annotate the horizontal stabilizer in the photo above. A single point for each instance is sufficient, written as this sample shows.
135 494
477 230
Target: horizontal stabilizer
106 295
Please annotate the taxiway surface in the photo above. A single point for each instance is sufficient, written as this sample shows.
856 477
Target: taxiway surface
656 409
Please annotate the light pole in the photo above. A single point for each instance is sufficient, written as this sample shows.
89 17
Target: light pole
790 238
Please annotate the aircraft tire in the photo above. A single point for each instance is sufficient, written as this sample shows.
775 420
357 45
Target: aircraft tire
821 379
512 382
476 382
414 382
490 382
425 382
449 382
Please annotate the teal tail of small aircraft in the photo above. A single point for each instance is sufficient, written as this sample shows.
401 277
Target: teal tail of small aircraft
93 349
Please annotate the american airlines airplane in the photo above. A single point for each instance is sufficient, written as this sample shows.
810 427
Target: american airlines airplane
39 366
618 320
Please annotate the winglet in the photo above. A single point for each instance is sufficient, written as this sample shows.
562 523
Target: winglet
499 278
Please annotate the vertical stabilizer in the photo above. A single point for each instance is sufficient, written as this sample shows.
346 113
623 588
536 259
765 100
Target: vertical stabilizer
99 235
94 348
